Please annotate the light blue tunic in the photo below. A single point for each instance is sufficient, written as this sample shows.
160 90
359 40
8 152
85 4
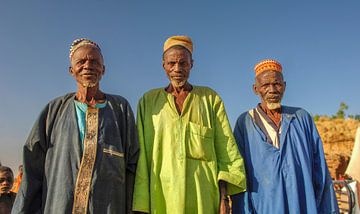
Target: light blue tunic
81 109
291 179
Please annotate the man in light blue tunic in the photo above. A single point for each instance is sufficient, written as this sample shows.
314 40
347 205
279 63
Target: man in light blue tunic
284 158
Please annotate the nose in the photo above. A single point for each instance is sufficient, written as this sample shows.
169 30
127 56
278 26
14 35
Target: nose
177 67
87 64
272 88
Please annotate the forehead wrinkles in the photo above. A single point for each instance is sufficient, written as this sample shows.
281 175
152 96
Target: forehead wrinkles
176 58
87 52
269 77
176 54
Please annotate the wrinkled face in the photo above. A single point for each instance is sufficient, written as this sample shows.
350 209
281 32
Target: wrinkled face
6 181
87 66
177 64
270 87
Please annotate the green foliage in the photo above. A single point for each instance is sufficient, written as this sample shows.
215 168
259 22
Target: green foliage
341 112
355 117
316 117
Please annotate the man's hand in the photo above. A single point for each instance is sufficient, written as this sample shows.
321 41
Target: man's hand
224 200
224 206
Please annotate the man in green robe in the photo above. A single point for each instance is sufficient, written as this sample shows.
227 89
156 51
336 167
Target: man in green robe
81 154
188 162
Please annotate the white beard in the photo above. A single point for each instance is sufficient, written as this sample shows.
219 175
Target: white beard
178 84
273 106
89 85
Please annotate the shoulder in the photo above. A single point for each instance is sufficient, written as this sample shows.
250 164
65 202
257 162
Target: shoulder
117 99
62 99
299 112
153 92
242 118
152 97
209 97
204 90
207 94
119 104
56 104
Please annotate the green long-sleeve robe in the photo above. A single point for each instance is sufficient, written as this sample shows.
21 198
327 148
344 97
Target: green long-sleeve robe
182 157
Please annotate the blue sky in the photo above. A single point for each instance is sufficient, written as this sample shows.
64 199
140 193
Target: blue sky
317 42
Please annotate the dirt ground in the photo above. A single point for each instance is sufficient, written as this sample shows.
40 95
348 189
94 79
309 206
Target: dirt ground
338 139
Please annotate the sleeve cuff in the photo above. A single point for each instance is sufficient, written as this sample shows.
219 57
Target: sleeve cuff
235 183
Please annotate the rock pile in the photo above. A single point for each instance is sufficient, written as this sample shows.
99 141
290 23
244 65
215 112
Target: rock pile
338 137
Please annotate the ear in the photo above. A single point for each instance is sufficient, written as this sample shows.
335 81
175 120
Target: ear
71 71
255 89
163 64
284 85
103 70
192 63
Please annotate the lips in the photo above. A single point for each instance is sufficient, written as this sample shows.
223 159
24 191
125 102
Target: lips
89 74
273 96
273 100
177 77
89 77
4 189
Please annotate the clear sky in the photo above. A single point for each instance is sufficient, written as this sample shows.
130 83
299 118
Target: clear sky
317 42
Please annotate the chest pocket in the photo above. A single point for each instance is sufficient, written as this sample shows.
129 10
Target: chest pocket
200 142
113 163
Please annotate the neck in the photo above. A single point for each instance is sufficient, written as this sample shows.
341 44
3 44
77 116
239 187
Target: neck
90 95
180 94
179 90
274 114
265 107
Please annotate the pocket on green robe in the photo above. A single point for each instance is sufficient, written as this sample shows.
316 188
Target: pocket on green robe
199 142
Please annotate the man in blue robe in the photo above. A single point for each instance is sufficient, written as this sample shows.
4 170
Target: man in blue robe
284 159
81 154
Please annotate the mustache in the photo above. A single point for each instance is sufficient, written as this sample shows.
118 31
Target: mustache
88 73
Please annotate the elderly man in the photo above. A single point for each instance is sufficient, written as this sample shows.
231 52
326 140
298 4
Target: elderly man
284 159
82 152
6 196
188 161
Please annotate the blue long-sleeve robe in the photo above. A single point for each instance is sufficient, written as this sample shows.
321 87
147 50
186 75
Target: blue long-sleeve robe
52 156
291 179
